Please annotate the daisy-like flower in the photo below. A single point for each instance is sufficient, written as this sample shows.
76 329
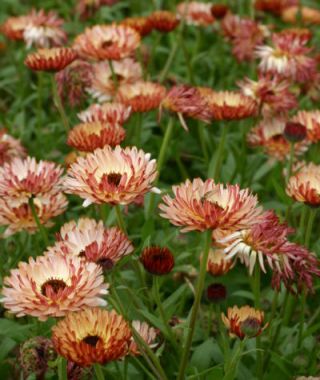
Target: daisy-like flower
157 260
44 30
142 25
103 87
163 21
115 176
112 113
269 134
274 6
244 321
217 264
227 105
287 57
14 27
200 205
54 59
304 186
91 240
311 120
18 216
272 95
53 285
195 13
102 42
10 148
87 137
147 333
308 15
92 336
141 96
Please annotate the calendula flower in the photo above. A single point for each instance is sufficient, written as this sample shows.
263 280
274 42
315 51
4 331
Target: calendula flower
147 333
287 57
53 285
142 25
87 137
157 260
87 8
308 15
244 321
91 240
274 6
218 264
10 147
311 120
17 216
141 96
269 135
228 105
201 205
102 42
103 87
272 94
14 27
73 81
195 13
115 176
44 30
54 59
163 21
112 113
92 336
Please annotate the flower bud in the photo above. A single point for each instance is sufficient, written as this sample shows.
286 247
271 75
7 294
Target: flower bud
295 132
219 10
216 292
157 260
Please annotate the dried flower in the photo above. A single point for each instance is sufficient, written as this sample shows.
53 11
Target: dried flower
163 21
274 6
53 59
219 11
112 113
195 13
142 25
308 15
218 264
157 261
10 148
311 120
295 132
87 8
14 27
147 333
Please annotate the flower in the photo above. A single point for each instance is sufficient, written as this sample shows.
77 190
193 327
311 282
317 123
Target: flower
141 96
87 137
116 176
217 264
288 57
227 105
91 240
92 336
274 6
216 292
101 42
52 285
311 120
219 11
86 8
269 134
195 13
113 113
146 332
10 147
295 132
157 260
308 15
103 87
53 59
14 27
163 21
142 25
201 205
239 320
304 186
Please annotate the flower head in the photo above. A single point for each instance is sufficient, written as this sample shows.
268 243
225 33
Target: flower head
53 285
102 42
92 336
308 15
87 8
157 260
311 120
195 13
14 27
216 292
217 264
163 21
112 113
274 6
116 176
10 148
295 132
219 11
142 25
147 333
54 59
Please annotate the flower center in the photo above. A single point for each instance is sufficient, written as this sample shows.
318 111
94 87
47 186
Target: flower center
114 179
106 44
82 253
106 263
91 340
53 285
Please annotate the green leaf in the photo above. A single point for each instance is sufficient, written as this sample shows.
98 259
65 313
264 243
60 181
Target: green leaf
202 357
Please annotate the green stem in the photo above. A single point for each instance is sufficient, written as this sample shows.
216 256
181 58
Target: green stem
98 371
195 307
40 95
41 228
62 368
120 220
204 148
220 153
232 365
138 128
58 104
114 75
290 162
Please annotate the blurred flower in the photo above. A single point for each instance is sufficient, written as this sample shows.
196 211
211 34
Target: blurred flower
195 13
103 87
102 42
295 32
73 80
216 292
147 333
218 264
54 59
91 240
157 260
295 132
274 6
86 8
219 11
113 113
92 336
52 285
142 25
269 134
87 137
244 322
201 205
308 15
163 21
116 176
141 96
14 27
10 147
311 120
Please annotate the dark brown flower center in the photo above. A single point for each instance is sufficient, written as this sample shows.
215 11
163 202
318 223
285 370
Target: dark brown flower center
91 340
53 284
114 179
82 253
106 263
106 44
